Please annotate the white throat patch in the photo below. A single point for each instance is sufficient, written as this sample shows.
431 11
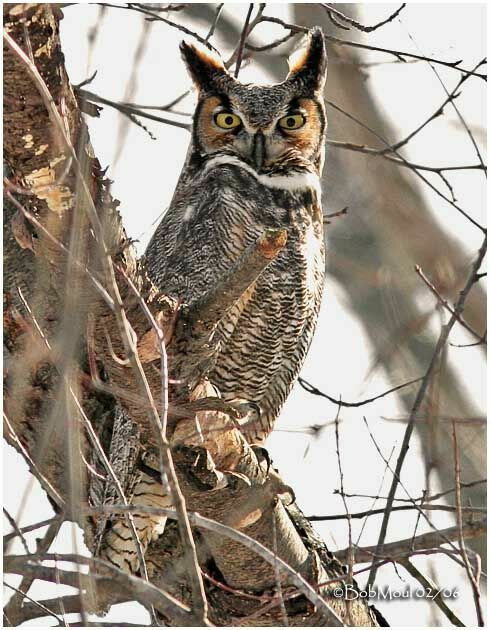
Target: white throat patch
294 182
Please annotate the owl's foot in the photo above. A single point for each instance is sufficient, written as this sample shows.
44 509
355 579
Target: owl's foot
262 455
248 412
283 490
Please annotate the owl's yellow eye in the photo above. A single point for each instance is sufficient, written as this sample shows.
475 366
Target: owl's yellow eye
227 120
293 121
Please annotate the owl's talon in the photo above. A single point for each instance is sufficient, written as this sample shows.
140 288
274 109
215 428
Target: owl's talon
288 491
283 490
262 454
249 414
247 410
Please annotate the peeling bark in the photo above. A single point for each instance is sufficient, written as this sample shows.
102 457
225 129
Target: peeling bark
50 245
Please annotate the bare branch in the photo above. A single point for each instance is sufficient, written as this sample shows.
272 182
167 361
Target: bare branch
446 305
401 160
426 499
17 530
438 599
45 484
331 11
133 587
29 528
13 608
420 397
400 55
341 403
461 538
130 110
243 37
38 605
405 548
399 508
229 532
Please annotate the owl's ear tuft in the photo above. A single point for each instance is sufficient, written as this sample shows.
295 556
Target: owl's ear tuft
203 64
308 64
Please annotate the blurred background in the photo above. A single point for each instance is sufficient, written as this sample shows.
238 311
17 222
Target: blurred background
379 322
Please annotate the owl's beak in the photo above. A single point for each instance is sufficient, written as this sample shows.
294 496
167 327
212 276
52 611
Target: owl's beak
258 150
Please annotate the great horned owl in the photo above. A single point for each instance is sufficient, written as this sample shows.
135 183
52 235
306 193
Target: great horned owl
254 162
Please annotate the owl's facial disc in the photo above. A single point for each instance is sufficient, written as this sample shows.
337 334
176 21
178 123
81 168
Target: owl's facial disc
292 133
273 127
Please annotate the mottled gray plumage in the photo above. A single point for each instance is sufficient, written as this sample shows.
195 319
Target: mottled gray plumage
254 163
223 202
264 339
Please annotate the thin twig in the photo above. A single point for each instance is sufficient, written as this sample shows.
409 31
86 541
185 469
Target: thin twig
430 587
401 161
454 94
361 27
459 518
130 109
30 528
427 499
350 554
399 508
456 109
17 530
375 499
39 605
154 17
446 304
243 37
405 548
311 389
400 55
415 504
45 483
214 24
271 45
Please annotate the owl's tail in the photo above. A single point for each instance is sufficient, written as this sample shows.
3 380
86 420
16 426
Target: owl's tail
118 545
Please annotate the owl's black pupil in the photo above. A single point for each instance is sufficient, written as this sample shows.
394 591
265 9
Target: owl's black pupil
229 120
290 122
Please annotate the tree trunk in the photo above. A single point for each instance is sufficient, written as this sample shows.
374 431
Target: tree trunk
76 311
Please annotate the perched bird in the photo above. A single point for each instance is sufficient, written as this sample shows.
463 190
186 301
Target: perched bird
254 162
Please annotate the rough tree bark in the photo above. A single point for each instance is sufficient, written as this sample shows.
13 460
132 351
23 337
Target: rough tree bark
76 312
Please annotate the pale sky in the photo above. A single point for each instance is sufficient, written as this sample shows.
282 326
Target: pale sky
144 179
